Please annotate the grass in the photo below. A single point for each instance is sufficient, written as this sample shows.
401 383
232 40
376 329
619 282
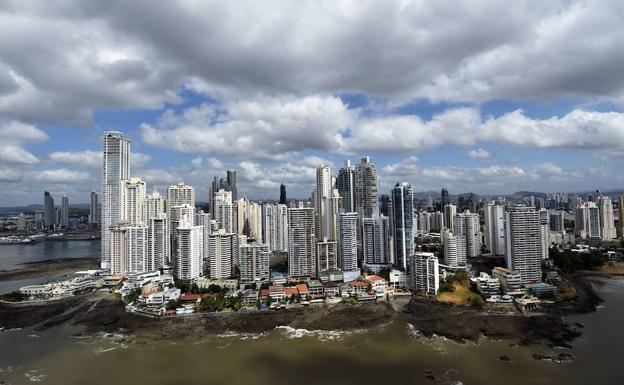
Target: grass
565 291
612 268
462 295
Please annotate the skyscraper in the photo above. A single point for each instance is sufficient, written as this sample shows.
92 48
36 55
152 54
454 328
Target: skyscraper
158 242
138 252
301 242
444 199
224 210
403 223
347 241
450 210
322 202
282 199
118 249
180 194
587 221
327 255
115 169
64 212
188 262
93 209
524 242
154 206
223 254
621 215
454 249
424 273
375 247
345 183
494 228
133 193
467 225
275 227
48 209
231 184
366 200
607 220
544 217
254 263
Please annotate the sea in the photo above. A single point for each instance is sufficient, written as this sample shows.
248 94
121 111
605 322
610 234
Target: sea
395 353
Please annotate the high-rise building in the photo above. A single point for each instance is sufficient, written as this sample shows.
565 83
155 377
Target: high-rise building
282 199
158 242
224 210
138 251
494 228
115 170
467 225
607 219
223 254
454 249
118 249
444 199
133 195
93 209
557 221
188 261
424 273
375 247
322 202
327 255
154 206
48 209
621 215
205 221
347 241
450 210
544 217
345 183
437 221
231 184
254 263
301 242
587 221
64 212
366 200
180 194
21 222
403 223
275 227
523 237
424 222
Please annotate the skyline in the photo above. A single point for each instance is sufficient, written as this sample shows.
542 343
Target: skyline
527 103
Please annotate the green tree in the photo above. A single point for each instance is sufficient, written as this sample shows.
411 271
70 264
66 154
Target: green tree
172 304
132 296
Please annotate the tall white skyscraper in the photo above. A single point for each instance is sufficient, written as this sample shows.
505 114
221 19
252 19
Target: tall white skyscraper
254 263
467 225
544 217
180 194
322 202
450 211
224 210
347 241
275 227
327 255
188 261
524 242
118 250
223 254
133 194
424 273
375 247
587 221
138 251
301 242
607 219
494 228
154 206
205 221
115 170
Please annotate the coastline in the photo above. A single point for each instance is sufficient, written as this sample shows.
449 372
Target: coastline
47 267
98 312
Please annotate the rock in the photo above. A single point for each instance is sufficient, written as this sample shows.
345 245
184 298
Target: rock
505 358
431 377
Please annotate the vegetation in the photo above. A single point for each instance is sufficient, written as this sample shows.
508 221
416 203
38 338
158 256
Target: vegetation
14 296
132 296
569 261
194 289
350 301
212 303
172 304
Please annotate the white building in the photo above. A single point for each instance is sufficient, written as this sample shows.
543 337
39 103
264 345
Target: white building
494 229
138 253
224 210
206 222
301 242
450 211
118 249
115 169
158 242
327 255
254 263
375 247
424 273
607 221
587 221
322 202
187 261
467 225
544 217
454 249
275 227
223 254
366 198
154 206
134 194
180 194
347 241
524 242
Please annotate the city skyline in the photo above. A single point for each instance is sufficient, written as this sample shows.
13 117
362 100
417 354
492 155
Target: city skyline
438 111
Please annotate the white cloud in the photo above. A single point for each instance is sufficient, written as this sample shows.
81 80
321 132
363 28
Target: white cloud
78 158
16 132
14 154
60 175
479 154
9 175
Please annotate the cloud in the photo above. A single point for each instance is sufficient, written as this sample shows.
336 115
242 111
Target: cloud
16 132
93 159
9 175
60 175
14 154
479 154
133 55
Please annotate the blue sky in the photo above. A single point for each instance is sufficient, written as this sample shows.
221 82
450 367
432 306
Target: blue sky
479 97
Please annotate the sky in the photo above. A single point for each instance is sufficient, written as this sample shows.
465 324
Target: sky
477 96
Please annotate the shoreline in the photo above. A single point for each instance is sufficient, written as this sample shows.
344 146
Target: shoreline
98 312
58 266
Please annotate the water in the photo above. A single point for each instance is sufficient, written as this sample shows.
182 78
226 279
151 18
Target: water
13 255
390 354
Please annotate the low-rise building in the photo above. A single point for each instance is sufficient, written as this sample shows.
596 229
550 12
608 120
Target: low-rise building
316 288
398 279
510 281
331 289
161 298
487 285
540 289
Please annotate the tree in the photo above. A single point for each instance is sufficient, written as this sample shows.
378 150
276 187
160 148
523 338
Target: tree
14 296
172 304
132 296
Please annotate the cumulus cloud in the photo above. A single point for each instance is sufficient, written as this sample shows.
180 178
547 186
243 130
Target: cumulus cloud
479 154
93 159
14 154
134 55
60 175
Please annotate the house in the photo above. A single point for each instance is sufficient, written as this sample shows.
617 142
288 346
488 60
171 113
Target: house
303 290
398 279
359 287
378 285
277 292
316 288
250 298
160 298
331 289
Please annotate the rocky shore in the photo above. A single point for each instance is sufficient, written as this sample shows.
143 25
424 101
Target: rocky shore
49 267
99 312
